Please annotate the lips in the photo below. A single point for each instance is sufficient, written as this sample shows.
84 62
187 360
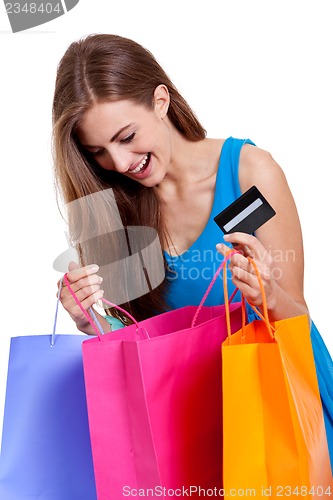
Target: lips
140 167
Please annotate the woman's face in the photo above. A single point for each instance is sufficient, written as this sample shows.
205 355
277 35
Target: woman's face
130 138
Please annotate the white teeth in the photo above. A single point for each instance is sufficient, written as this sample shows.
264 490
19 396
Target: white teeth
140 167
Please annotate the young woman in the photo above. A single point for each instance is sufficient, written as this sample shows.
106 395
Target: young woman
120 123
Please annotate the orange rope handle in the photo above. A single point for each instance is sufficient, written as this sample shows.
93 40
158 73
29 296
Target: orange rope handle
265 316
261 316
226 299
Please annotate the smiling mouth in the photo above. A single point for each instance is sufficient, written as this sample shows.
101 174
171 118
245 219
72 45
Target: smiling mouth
142 166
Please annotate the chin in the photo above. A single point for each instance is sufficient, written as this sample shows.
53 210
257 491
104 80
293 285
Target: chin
153 180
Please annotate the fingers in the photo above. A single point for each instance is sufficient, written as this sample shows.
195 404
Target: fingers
78 273
87 297
239 265
73 265
248 244
238 259
223 249
249 289
86 285
242 271
79 277
84 281
240 262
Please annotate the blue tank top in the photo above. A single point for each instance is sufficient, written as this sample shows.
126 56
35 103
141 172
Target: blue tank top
190 273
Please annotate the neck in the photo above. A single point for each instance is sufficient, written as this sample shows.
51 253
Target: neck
190 161
185 158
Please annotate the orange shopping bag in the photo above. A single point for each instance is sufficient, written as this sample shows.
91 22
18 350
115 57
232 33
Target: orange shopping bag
274 439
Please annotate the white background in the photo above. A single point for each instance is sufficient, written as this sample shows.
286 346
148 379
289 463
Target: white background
260 69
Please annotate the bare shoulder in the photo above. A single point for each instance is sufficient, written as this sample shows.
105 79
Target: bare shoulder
258 167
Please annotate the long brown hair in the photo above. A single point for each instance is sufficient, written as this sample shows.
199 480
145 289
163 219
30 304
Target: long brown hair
103 68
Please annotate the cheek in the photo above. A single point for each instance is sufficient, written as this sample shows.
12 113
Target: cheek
162 142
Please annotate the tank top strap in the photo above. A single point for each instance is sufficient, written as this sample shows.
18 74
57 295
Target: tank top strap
227 187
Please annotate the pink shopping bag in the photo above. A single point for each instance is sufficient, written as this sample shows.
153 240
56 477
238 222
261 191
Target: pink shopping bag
154 400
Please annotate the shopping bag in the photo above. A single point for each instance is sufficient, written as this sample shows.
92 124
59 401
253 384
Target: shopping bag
46 451
324 369
274 439
154 403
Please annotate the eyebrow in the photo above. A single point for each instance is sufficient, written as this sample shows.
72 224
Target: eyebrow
113 138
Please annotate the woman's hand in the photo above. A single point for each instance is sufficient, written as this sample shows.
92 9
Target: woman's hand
280 303
86 285
243 273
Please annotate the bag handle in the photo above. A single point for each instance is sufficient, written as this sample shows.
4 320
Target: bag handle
52 340
97 330
263 316
216 275
227 302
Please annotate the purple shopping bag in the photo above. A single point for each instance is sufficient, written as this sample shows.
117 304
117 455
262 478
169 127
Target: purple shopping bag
46 451
154 396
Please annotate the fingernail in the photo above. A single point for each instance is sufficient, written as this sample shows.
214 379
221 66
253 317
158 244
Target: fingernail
93 267
218 246
227 236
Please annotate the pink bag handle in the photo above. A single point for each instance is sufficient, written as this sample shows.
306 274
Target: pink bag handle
88 317
203 300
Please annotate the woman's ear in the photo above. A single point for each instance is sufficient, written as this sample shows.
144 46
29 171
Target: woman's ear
161 100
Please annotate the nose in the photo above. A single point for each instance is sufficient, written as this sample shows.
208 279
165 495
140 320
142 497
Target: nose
120 159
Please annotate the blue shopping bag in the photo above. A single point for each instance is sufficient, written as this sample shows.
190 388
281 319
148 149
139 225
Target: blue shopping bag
46 451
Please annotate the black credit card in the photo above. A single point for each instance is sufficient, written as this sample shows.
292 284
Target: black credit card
246 214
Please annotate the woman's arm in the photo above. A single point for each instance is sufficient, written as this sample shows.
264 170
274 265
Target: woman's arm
277 247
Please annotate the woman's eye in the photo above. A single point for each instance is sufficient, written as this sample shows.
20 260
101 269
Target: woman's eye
97 153
128 139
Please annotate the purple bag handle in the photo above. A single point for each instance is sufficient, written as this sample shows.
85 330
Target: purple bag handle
52 342
56 315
